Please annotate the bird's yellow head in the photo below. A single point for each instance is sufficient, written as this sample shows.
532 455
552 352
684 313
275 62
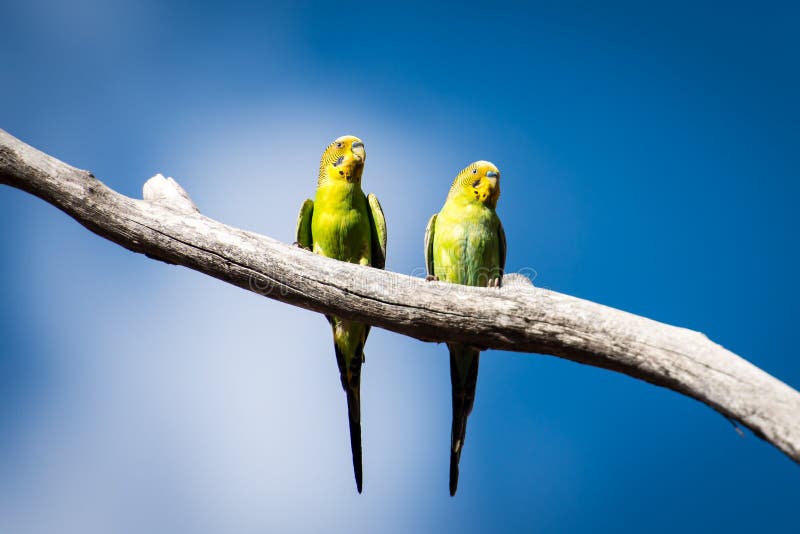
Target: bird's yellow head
480 182
343 160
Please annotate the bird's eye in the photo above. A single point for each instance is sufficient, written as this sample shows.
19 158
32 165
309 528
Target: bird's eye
338 145
474 171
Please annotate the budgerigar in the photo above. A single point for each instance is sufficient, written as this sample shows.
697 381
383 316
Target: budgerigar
342 223
465 244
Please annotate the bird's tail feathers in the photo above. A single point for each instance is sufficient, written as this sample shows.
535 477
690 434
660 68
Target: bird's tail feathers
464 378
354 415
351 383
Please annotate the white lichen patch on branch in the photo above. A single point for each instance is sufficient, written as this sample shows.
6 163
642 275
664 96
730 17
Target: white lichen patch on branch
168 193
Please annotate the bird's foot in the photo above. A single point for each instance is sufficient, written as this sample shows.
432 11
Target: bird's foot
495 282
431 278
296 244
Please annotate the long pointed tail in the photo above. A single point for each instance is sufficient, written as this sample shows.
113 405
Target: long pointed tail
354 416
350 371
464 378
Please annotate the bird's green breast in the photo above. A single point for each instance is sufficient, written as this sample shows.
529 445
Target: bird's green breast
340 224
466 247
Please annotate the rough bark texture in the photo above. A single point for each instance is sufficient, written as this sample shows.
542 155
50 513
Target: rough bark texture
166 225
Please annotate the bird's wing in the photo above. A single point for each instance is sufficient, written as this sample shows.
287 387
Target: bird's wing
501 234
429 245
304 238
377 223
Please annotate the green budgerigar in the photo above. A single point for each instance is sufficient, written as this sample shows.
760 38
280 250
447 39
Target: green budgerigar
465 244
343 223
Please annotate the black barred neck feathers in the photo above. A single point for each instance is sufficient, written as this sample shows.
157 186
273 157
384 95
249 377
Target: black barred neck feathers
342 162
479 182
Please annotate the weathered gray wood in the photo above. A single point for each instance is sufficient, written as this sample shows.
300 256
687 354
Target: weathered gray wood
517 317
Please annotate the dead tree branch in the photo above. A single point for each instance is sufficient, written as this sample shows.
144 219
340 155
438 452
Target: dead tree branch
166 225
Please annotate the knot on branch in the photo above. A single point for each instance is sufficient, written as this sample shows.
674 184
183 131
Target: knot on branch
517 280
167 193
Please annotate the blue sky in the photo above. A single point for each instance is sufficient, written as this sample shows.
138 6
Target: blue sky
650 162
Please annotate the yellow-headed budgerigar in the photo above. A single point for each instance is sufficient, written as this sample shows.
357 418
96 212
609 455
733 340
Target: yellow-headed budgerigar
342 223
465 244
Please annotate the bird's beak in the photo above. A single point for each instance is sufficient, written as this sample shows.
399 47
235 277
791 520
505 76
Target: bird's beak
493 178
491 191
358 151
